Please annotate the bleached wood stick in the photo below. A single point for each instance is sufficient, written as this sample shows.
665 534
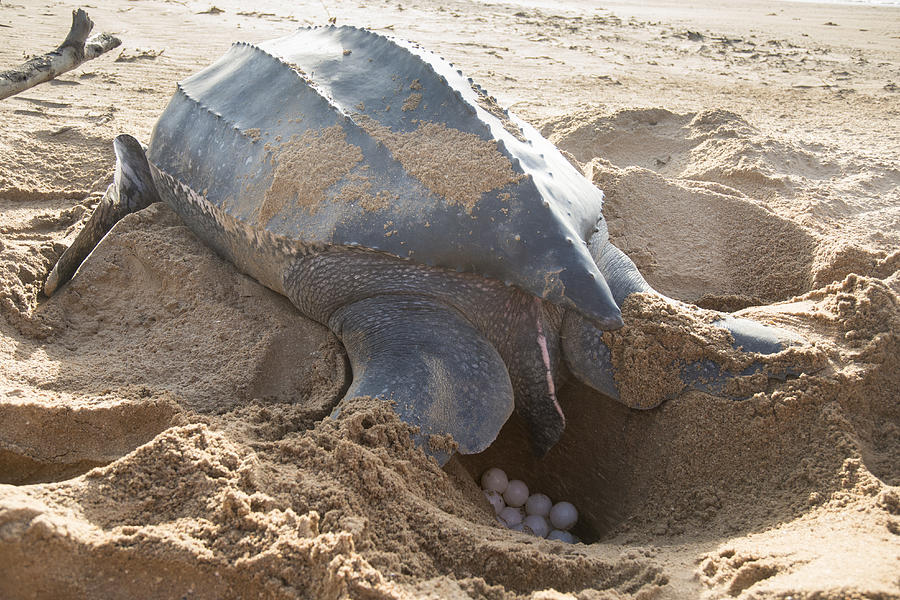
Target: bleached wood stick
75 50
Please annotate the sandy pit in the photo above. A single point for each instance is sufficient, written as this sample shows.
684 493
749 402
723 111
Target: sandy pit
162 417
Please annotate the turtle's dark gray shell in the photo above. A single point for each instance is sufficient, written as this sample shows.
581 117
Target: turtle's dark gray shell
340 136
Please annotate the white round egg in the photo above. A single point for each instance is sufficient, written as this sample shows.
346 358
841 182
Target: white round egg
516 493
511 516
496 500
494 480
537 525
563 515
538 504
561 536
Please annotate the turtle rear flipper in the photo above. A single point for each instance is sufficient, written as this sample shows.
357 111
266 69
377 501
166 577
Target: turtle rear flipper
131 191
440 373
590 359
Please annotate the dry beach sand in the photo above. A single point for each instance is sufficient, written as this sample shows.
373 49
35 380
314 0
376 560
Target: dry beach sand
161 417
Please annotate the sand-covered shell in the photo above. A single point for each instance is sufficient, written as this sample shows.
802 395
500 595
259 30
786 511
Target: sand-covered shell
340 136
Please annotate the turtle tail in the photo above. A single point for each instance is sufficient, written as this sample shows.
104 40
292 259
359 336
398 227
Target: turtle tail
131 191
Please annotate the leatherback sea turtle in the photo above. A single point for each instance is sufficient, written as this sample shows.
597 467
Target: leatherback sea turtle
462 261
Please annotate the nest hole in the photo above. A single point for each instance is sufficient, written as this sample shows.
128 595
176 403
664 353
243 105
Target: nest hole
593 466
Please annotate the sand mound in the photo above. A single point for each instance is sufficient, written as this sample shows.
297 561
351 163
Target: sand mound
103 352
346 507
46 442
707 206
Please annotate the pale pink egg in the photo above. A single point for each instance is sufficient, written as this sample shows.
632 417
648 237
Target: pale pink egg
561 536
563 515
511 516
494 480
496 500
537 525
516 493
538 504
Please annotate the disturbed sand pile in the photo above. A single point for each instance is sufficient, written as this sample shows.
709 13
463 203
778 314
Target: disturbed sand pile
161 417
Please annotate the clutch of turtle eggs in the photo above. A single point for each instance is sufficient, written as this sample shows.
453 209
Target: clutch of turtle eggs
530 513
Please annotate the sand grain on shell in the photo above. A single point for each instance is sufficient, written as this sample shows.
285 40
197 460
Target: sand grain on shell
358 190
412 102
489 104
305 167
456 166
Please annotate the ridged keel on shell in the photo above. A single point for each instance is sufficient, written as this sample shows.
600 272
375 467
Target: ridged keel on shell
339 136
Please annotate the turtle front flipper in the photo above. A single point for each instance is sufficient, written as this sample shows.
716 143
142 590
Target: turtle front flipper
440 373
672 346
131 191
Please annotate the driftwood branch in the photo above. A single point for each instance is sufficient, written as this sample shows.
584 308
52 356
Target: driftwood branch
76 49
